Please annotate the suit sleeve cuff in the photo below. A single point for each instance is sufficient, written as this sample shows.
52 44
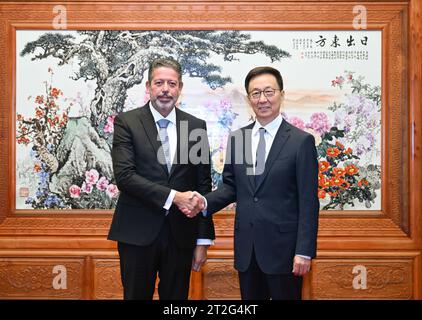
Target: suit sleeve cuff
169 200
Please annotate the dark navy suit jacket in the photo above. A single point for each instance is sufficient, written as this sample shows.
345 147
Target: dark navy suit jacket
278 218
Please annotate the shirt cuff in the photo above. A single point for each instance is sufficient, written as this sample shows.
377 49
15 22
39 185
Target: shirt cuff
302 256
170 199
204 242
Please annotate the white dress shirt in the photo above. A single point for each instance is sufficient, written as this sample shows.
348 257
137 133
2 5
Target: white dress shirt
172 134
270 132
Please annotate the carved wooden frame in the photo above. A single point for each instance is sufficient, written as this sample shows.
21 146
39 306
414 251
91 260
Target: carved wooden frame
399 219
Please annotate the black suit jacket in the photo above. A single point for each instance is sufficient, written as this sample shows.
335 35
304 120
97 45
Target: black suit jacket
145 183
279 216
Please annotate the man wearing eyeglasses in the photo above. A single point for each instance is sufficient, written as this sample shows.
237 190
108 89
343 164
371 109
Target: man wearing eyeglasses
271 171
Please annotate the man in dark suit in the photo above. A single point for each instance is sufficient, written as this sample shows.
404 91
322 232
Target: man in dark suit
155 177
271 171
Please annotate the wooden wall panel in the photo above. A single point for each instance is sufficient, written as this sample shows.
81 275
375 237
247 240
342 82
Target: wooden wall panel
386 278
107 281
30 278
220 280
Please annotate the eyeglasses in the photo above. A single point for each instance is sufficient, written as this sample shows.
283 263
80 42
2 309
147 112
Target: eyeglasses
268 93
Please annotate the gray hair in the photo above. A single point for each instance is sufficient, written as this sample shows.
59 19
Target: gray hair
165 62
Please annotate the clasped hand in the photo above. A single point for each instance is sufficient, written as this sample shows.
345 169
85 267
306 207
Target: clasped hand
189 202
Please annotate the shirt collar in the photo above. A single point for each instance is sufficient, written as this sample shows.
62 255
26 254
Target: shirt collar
271 127
157 116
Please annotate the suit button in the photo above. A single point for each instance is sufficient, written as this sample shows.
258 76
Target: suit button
255 199
251 223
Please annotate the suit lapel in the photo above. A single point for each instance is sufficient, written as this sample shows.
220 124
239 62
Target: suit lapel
151 131
279 141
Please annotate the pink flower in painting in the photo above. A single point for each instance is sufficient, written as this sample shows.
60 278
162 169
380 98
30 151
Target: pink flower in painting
319 122
86 187
109 126
338 81
112 191
91 176
297 122
102 183
75 191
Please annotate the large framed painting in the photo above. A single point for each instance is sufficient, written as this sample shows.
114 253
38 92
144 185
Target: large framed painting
71 84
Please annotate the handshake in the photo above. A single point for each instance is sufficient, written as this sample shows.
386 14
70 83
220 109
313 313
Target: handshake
189 202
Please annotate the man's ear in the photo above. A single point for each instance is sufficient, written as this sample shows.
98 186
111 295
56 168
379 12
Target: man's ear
282 96
180 85
147 85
